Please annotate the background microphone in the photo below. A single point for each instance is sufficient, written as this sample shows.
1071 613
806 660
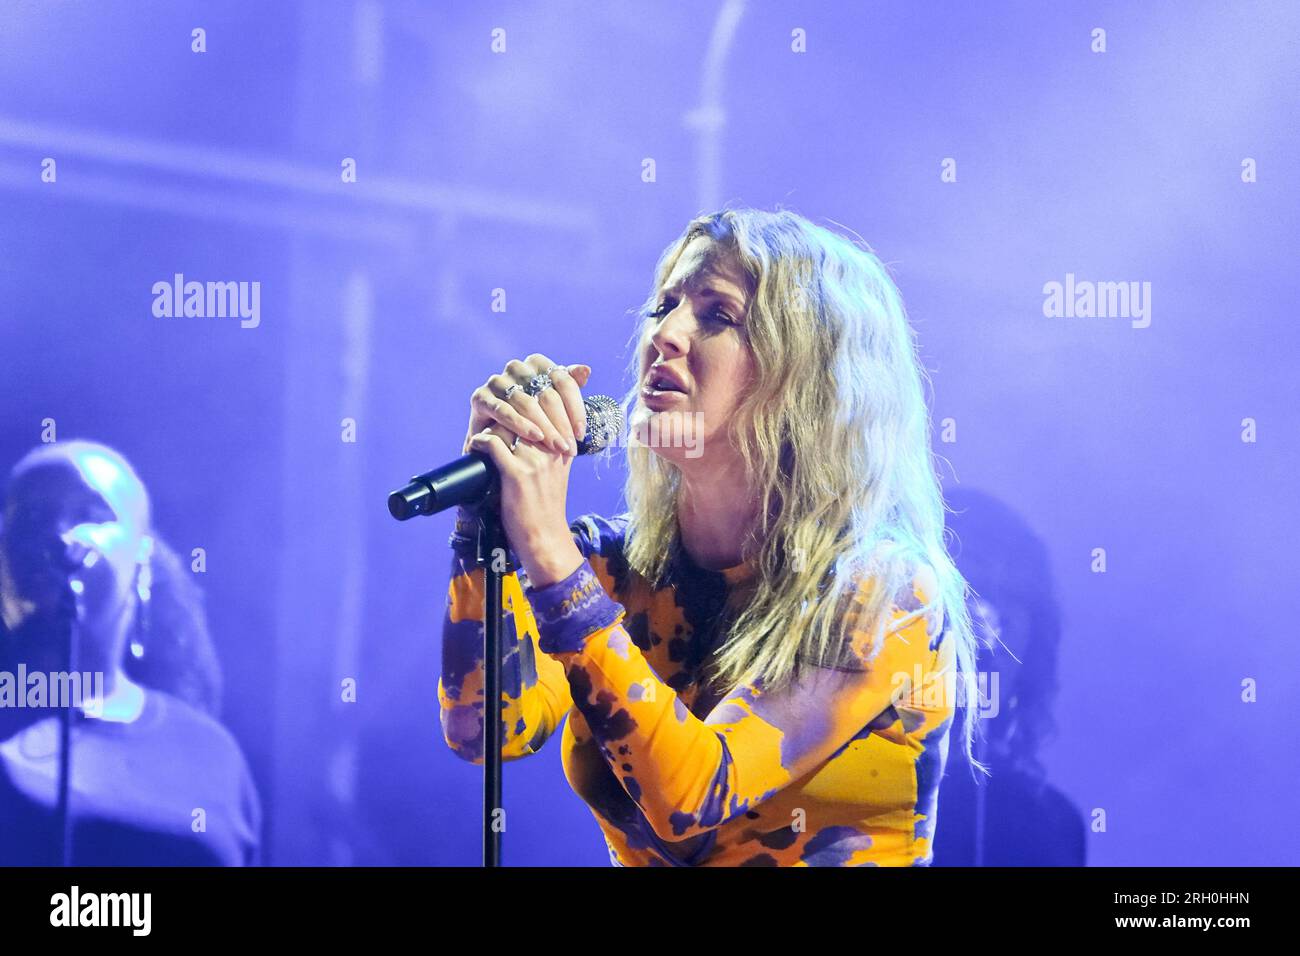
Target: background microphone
70 556
65 557
471 478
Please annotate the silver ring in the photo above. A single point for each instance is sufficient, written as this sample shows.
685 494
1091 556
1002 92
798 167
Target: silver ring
510 391
562 368
538 384
514 443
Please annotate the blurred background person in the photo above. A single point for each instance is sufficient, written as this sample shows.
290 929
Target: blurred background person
155 779
1013 817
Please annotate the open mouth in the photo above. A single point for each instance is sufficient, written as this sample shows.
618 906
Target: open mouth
658 383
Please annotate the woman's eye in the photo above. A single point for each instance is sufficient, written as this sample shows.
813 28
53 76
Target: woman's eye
716 314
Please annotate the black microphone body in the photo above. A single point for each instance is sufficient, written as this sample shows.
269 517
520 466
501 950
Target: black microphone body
471 479
466 481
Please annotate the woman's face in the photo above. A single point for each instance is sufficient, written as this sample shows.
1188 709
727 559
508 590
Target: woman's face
73 532
697 336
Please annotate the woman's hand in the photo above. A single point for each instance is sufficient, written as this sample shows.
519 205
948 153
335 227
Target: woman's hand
534 471
555 417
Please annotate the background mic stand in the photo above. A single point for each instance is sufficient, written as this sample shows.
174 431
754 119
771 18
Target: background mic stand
63 808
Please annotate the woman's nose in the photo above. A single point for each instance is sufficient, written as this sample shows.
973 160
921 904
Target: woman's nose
672 335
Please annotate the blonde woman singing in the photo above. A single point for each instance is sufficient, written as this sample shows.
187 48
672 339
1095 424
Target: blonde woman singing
758 659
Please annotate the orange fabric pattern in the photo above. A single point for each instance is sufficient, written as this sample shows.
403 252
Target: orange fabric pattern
840 769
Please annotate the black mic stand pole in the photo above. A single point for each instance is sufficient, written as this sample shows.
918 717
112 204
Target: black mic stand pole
494 558
63 811
463 480
420 497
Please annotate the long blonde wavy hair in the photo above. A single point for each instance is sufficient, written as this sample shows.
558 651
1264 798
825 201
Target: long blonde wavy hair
836 434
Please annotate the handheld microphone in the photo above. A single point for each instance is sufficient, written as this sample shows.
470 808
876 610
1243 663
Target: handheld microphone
471 478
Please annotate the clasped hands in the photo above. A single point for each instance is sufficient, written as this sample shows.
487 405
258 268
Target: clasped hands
532 440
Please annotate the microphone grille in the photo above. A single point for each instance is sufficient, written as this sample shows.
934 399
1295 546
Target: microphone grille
604 424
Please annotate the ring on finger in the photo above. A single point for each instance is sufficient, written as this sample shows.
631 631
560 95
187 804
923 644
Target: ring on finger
538 384
551 371
511 390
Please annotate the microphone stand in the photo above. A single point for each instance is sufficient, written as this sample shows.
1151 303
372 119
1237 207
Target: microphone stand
492 542
63 811
420 497
465 479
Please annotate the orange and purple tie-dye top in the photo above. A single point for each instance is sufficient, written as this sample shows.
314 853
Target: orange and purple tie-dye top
840 768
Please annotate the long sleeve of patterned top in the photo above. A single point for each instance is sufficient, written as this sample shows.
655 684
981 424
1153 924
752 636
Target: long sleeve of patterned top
841 768
535 693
